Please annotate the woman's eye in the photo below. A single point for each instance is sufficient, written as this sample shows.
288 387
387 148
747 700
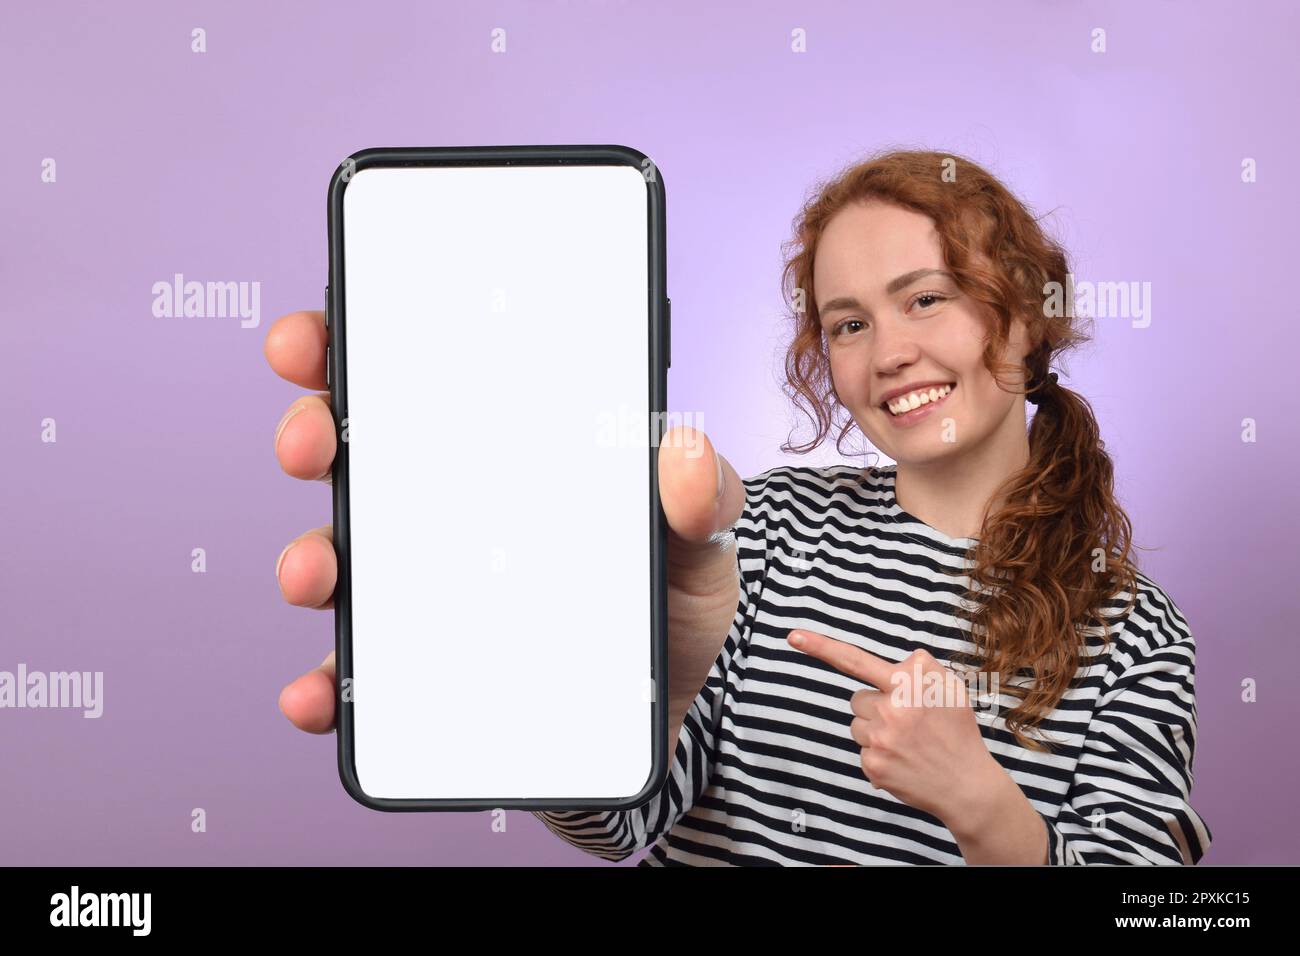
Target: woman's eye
931 296
842 327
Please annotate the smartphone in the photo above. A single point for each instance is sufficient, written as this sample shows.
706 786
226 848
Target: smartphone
497 363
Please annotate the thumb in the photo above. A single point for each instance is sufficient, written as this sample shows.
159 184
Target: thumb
700 491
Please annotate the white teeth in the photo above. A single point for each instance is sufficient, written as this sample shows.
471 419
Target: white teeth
916 399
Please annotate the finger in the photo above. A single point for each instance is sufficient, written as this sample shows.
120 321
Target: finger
308 569
309 701
844 657
696 503
858 730
867 761
295 348
305 441
864 703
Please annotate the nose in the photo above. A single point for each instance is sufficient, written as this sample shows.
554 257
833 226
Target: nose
894 346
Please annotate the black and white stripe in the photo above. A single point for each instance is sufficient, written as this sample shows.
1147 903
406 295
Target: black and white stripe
765 772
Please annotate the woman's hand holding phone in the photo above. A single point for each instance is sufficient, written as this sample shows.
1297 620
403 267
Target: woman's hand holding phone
700 492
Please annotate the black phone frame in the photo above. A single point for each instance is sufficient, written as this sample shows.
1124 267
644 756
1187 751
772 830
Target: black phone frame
659 311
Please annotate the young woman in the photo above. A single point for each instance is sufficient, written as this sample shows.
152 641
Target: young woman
951 659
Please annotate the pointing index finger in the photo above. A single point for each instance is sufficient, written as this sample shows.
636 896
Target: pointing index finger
844 657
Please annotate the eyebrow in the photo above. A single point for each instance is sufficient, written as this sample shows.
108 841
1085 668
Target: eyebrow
895 285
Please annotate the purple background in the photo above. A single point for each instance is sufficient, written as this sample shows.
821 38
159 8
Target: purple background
215 165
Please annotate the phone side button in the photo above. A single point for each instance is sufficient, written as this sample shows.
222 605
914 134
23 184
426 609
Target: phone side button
327 308
328 381
668 332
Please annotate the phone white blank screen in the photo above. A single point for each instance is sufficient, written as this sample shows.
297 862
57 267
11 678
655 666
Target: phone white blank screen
498 430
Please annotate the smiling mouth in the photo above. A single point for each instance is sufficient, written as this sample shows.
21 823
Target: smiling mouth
919 399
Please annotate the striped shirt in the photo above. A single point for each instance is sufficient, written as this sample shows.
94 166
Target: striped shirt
765 771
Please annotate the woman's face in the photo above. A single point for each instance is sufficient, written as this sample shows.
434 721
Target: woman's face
893 319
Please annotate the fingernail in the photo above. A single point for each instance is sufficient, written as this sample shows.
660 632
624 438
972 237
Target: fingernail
796 639
280 560
722 478
293 410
